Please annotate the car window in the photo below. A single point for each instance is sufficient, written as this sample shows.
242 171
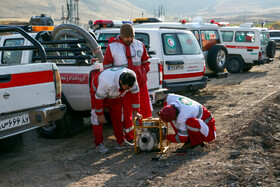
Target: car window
209 38
196 34
180 44
245 36
227 36
106 36
171 44
188 44
144 38
274 34
12 57
264 38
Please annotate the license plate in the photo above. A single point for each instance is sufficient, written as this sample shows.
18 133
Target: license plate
175 67
14 122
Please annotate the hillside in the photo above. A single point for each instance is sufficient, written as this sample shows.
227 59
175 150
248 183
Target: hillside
221 10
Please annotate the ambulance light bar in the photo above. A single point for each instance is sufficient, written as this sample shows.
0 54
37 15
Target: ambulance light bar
146 20
98 24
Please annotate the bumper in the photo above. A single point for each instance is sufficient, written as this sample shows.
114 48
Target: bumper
157 95
263 61
37 118
186 86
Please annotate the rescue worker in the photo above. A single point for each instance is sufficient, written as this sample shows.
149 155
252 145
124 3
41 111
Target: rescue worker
125 51
193 123
107 89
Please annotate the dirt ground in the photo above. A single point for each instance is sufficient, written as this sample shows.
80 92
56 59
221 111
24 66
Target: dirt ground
246 107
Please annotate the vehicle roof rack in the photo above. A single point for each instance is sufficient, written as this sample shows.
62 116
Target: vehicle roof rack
26 28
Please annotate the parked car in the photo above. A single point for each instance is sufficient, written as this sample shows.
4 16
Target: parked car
275 35
209 39
247 46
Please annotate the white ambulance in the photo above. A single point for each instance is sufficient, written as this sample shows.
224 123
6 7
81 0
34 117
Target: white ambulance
178 51
247 46
209 39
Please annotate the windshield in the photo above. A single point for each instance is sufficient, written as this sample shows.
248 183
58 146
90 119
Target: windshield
264 38
180 44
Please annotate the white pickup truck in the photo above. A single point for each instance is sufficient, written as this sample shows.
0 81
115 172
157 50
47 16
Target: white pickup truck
77 56
30 94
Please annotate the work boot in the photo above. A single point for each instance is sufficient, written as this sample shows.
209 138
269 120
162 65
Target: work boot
198 148
124 145
131 141
102 149
184 148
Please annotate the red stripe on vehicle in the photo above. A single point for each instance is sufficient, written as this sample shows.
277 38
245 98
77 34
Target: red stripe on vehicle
74 78
183 75
25 79
242 47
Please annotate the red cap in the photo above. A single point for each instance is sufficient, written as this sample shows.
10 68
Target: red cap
168 113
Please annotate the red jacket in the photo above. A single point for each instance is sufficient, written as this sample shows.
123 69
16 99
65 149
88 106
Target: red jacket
105 86
134 57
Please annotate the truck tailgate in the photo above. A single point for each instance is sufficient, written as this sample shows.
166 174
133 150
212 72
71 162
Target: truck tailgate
27 86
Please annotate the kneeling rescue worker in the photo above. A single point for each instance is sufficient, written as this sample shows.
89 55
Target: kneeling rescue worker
193 123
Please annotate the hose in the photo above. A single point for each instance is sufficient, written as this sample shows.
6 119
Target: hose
78 32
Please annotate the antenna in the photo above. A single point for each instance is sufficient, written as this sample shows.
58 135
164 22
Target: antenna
72 12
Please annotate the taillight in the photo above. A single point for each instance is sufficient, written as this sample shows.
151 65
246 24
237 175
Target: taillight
204 68
57 84
160 73
260 55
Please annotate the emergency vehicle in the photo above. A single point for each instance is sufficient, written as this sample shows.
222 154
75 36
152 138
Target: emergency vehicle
78 57
275 35
247 46
209 38
30 93
180 56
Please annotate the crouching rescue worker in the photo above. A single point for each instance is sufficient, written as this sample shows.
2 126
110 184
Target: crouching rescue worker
193 123
107 90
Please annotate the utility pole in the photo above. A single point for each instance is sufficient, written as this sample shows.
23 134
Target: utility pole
72 12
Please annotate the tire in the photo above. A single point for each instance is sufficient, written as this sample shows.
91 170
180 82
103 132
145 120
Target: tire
247 67
12 143
217 58
69 125
235 64
271 49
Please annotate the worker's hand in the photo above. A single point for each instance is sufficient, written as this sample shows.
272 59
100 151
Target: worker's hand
137 115
101 119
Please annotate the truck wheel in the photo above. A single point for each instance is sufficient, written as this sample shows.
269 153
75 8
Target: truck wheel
235 64
12 143
247 67
70 124
271 49
217 58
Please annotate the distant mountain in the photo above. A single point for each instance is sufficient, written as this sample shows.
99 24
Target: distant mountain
221 10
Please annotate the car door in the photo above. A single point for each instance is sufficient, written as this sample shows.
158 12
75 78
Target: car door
183 59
